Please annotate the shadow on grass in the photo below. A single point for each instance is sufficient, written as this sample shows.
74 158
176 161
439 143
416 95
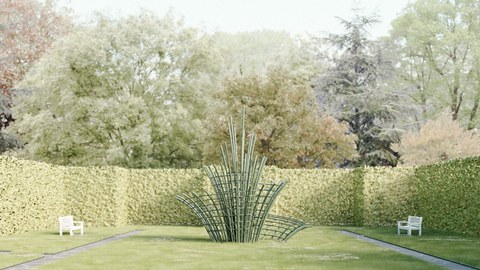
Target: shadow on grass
170 238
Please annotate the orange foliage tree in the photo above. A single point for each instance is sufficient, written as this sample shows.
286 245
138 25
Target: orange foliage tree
438 140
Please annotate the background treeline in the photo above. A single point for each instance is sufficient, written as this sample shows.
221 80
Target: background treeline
148 92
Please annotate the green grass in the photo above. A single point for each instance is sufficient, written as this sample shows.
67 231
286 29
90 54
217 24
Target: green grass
190 248
163 247
460 248
29 246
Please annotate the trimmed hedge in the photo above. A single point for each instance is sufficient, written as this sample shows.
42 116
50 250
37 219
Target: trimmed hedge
448 195
151 196
388 195
314 196
33 195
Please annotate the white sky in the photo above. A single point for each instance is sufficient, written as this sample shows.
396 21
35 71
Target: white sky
294 16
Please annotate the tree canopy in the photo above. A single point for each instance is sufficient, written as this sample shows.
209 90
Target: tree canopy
127 92
352 91
284 114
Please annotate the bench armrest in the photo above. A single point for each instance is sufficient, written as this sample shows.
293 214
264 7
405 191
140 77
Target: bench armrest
78 222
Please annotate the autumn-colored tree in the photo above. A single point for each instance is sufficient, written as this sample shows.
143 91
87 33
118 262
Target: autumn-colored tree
438 140
27 29
284 114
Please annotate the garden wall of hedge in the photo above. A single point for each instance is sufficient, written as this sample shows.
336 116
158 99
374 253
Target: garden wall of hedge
33 195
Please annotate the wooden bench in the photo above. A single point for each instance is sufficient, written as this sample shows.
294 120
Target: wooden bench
67 223
413 223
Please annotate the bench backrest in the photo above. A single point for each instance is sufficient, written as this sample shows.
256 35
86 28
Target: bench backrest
414 221
66 221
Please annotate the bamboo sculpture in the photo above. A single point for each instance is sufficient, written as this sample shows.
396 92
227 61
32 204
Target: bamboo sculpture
238 211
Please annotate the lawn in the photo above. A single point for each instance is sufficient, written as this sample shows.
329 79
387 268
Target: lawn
163 247
24 247
459 248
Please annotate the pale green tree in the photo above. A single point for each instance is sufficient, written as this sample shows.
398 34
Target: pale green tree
254 53
439 56
284 115
131 92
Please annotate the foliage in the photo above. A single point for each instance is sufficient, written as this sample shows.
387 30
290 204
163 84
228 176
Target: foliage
238 210
283 112
438 140
130 92
447 195
444 194
439 56
25 206
27 30
389 195
255 53
351 90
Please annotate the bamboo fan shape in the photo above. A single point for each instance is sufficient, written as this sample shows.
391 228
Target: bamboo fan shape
238 211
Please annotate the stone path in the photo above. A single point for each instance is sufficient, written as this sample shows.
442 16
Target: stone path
419 255
70 252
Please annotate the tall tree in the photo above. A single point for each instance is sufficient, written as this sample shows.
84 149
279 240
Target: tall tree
284 114
352 91
248 53
27 30
440 57
130 92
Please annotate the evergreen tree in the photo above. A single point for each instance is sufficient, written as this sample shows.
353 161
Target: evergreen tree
351 90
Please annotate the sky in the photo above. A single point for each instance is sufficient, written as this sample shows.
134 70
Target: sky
293 16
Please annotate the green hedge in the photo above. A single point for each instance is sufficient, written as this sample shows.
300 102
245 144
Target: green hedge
448 195
151 196
33 195
314 196
388 195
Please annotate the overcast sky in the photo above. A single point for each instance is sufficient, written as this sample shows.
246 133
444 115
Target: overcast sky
294 16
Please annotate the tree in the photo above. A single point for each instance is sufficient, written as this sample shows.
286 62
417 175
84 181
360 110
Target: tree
440 57
438 140
249 53
27 30
128 92
284 114
354 91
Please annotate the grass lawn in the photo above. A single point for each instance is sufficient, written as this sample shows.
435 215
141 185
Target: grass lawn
19 248
163 247
460 248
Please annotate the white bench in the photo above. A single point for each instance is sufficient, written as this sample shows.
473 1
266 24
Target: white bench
67 223
413 223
